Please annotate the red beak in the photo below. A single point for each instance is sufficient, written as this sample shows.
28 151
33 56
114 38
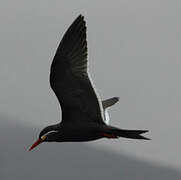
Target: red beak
36 144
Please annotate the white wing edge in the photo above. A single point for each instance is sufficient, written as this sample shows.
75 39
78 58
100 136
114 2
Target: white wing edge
106 115
97 95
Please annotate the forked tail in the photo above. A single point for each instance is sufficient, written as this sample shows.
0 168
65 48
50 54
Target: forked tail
131 134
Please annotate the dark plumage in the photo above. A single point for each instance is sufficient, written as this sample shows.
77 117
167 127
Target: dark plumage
83 114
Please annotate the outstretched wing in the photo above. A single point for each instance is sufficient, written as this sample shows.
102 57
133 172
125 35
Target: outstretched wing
70 80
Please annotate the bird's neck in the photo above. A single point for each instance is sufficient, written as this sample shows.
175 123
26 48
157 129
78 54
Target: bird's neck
54 127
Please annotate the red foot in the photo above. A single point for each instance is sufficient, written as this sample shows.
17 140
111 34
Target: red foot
110 135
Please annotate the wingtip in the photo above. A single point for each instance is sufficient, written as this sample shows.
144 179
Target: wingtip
117 98
80 16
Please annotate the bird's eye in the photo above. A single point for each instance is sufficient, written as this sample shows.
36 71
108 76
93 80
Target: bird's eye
43 137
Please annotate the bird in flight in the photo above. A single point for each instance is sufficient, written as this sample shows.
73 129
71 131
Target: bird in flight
84 115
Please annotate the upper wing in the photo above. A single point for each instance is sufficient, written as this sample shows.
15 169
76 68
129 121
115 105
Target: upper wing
69 77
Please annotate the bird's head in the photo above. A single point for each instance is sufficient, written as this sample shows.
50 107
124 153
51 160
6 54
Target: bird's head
48 134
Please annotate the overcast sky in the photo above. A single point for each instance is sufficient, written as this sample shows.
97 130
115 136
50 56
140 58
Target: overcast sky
134 53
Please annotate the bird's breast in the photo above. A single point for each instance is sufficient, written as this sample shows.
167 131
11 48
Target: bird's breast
85 132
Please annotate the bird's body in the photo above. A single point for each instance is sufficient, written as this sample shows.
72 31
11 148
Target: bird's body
84 116
70 132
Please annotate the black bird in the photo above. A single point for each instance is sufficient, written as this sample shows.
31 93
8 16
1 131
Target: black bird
84 116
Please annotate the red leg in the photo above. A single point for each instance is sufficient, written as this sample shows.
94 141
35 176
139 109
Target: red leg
110 135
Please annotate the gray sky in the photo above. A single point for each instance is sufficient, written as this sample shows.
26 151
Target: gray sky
69 160
134 53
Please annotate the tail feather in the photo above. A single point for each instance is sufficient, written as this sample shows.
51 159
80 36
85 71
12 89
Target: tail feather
132 134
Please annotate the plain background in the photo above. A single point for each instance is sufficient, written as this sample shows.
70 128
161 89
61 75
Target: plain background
134 53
